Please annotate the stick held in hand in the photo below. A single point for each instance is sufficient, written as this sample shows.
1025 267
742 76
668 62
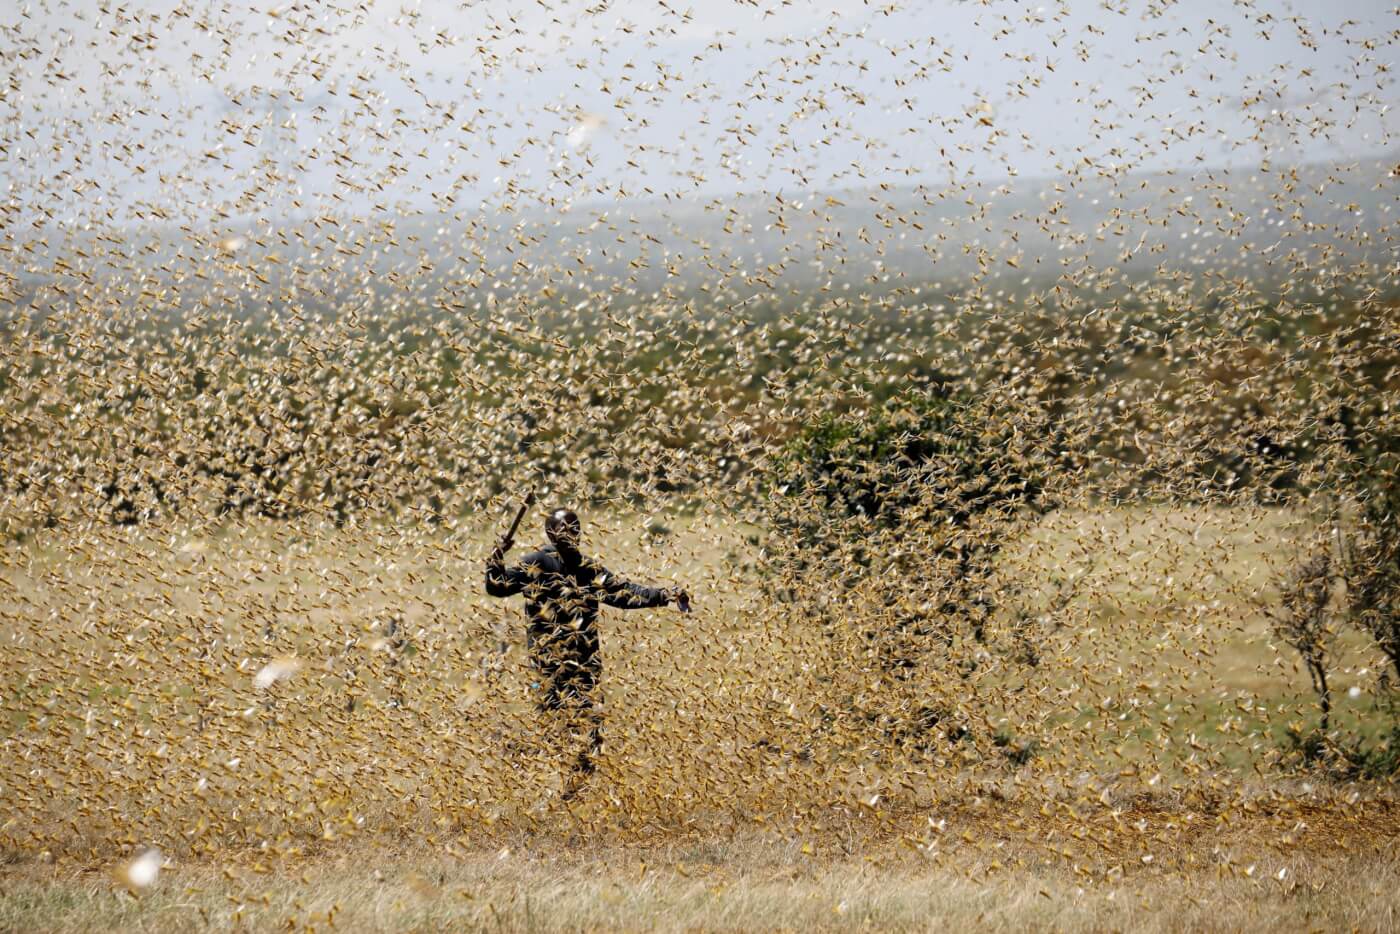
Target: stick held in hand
509 538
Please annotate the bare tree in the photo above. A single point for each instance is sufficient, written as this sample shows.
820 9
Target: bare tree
1303 619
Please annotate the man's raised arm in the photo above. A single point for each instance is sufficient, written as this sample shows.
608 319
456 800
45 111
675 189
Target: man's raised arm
502 581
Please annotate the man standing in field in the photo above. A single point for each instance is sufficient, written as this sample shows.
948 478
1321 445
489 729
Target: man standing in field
562 591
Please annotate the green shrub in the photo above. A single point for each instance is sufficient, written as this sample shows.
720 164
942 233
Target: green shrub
900 510
921 466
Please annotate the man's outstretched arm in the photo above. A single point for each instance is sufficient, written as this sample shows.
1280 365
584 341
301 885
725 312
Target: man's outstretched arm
626 595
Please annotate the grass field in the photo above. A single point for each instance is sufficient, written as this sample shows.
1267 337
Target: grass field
1260 873
398 778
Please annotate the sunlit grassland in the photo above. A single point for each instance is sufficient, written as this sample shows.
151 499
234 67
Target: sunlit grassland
134 721
1249 875
1167 601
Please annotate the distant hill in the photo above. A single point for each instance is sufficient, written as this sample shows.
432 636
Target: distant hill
1091 230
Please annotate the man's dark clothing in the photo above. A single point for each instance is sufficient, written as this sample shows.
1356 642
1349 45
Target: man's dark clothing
562 592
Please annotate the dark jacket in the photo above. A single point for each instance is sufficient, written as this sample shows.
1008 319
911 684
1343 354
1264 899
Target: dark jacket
561 600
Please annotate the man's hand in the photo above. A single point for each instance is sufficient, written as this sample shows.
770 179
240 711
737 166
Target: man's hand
503 545
679 597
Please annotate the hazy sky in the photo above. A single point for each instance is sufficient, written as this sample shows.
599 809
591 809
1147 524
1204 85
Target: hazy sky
188 107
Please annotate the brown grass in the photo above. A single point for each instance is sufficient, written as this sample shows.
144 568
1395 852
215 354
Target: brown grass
1154 802
1250 874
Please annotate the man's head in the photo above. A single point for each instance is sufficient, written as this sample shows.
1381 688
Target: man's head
563 529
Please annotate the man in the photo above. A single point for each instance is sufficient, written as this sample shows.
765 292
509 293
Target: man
562 591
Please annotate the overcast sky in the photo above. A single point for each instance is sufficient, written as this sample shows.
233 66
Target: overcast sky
236 109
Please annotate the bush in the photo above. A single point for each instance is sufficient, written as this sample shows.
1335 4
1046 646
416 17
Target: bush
1304 620
1376 760
1372 551
900 511
942 471
1354 486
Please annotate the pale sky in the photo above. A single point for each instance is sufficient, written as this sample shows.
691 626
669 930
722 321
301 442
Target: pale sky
115 109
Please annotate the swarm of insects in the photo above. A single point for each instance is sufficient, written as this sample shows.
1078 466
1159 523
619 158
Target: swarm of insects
986 384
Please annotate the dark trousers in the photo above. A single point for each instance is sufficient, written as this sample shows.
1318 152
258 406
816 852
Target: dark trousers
567 695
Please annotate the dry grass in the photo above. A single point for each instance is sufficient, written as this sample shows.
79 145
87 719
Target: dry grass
1224 879
133 720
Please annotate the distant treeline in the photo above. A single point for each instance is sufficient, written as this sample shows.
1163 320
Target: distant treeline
393 410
